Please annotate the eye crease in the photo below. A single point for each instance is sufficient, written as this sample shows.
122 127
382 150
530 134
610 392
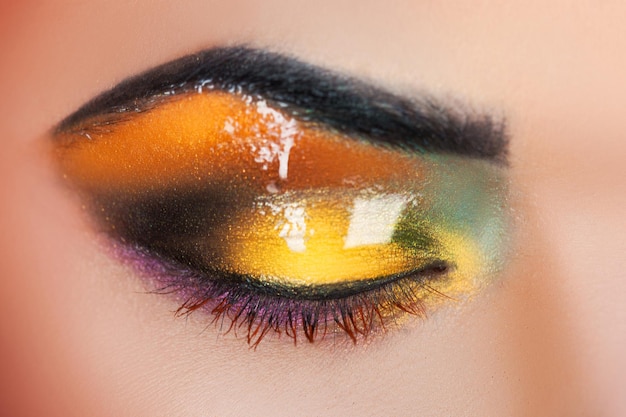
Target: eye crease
288 199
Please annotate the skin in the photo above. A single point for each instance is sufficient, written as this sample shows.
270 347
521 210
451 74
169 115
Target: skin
79 335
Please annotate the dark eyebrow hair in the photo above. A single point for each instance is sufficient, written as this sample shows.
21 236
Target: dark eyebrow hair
311 93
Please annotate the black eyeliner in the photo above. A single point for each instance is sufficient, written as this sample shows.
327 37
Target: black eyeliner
431 271
310 93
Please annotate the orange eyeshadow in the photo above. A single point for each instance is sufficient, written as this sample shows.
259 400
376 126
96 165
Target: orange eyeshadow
225 138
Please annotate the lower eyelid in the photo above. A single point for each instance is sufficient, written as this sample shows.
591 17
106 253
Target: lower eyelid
168 202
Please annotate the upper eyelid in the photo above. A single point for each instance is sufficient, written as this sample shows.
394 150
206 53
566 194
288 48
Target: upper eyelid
345 104
237 277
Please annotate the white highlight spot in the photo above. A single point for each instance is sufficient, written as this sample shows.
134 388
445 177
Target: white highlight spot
373 220
228 126
272 188
283 157
284 131
293 228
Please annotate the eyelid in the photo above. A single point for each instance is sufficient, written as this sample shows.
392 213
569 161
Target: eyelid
170 176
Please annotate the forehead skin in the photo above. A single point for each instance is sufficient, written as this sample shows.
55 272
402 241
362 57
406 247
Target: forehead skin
79 336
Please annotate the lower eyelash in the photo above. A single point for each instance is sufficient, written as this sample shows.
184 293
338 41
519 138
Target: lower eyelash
254 315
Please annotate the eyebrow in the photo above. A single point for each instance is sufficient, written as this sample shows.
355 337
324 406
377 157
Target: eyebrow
311 93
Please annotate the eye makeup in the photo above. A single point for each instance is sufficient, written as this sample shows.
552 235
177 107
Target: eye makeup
281 198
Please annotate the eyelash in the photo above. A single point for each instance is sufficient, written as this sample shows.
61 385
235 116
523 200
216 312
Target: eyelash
235 307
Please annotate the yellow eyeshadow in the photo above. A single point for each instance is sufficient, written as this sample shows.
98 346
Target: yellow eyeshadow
199 138
315 243
311 243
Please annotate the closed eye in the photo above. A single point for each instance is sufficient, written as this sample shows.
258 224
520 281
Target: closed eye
289 199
